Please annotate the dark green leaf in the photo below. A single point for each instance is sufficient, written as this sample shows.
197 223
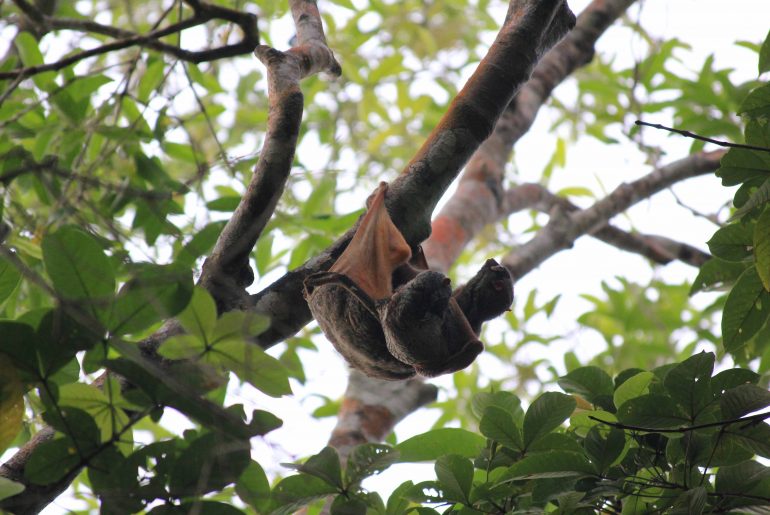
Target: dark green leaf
754 437
549 465
209 463
51 461
604 446
9 279
762 244
497 424
689 383
253 488
367 460
731 378
503 400
324 465
746 310
717 273
764 56
740 478
294 492
397 503
78 266
652 412
732 242
592 383
455 474
156 292
348 506
743 399
741 165
429 446
545 414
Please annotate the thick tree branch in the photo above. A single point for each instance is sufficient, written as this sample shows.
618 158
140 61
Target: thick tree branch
227 272
564 228
478 201
479 197
202 13
659 249
531 27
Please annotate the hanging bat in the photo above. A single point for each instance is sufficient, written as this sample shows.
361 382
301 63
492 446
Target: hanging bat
391 317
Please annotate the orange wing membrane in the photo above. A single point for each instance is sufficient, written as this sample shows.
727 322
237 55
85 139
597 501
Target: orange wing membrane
375 251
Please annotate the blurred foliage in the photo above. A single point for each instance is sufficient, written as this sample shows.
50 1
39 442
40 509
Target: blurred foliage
116 173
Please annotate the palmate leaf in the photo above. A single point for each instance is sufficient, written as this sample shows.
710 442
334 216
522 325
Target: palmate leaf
545 414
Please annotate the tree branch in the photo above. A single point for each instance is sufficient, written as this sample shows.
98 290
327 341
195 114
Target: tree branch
564 228
659 249
477 202
203 13
479 196
531 27
227 272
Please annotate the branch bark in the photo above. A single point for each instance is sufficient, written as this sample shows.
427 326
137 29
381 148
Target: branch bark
478 201
226 272
531 27
564 228
203 12
658 249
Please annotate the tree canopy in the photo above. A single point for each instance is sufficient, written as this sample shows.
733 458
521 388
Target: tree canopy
172 172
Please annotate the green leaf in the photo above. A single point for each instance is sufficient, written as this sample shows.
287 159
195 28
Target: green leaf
717 273
30 55
604 446
366 460
200 316
506 401
754 437
689 383
760 196
253 488
165 390
9 279
9 488
746 310
550 465
51 461
635 386
592 383
545 414
740 478
438 442
497 424
732 242
150 79
455 473
397 502
731 378
252 364
343 505
182 346
209 463
155 293
77 265
756 105
693 500
239 325
762 245
11 403
294 492
742 400
652 411
325 465
109 417
764 56
741 165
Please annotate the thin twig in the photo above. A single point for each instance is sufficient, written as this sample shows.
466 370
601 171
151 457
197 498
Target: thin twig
702 138
722 423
